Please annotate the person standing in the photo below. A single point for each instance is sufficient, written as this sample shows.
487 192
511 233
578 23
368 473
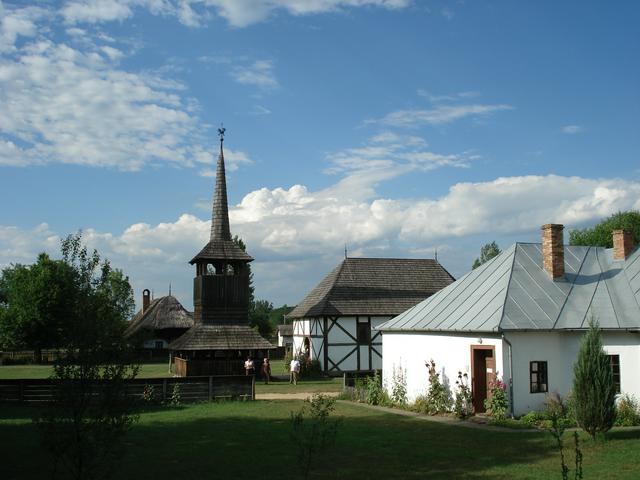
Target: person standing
266 370
294 371
248 367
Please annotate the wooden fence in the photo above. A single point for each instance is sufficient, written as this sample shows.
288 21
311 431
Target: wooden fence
192 389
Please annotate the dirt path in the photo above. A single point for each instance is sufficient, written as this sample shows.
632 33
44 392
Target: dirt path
292 396
440 419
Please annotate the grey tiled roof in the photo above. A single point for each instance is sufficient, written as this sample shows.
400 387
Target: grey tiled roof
373 286
162 313
513 292
285 330
221 337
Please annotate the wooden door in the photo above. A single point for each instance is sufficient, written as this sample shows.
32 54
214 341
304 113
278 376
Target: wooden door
483 371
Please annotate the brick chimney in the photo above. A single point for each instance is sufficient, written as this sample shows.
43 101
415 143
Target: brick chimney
146 299
553 250
622 244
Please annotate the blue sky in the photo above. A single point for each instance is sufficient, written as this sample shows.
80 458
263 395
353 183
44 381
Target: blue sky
396 127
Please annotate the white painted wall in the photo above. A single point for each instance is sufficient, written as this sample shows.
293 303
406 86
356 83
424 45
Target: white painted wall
451 352
560 350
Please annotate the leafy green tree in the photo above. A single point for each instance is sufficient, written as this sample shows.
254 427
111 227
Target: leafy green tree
487 252
59 303
36 302
240 243
259 316
85 426
601 234
593 387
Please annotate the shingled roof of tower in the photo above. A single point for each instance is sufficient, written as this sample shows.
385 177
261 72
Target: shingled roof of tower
221 337
374 286
221 246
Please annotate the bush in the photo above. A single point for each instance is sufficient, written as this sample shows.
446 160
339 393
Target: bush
310 368
533 419
438 399
497 404
148 394
463 406
593 386
399 387
176 395
627 411
374 393
312 431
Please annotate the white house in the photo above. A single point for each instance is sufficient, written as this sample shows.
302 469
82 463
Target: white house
335 322
285 336
521 316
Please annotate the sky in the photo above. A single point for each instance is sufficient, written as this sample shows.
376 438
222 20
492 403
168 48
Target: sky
396 128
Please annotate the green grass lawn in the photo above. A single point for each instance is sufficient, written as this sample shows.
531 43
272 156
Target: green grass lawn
147 370
157 370
251 440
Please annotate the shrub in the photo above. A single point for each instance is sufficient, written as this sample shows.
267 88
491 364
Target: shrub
309 368
593 386
399 387
497 404
176 395
374 393
533 419
627 411
556 411
438 399
312 431
148 394
463 406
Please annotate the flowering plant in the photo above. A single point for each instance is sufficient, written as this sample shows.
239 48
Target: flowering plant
497 402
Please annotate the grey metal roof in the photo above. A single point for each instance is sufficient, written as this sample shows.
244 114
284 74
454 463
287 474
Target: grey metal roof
513 292
373 286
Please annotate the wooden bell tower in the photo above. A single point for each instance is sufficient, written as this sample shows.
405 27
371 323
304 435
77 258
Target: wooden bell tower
221 286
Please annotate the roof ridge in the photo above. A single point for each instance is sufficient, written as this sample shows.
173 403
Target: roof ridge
566 298
506 293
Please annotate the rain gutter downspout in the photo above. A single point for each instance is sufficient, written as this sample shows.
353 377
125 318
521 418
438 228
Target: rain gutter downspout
511 406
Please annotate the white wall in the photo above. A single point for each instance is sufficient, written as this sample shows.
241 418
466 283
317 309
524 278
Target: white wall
451 352
560 350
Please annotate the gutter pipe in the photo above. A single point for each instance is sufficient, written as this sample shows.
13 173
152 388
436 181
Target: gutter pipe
511 406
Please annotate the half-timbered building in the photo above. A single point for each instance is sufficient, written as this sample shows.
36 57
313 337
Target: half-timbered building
335 322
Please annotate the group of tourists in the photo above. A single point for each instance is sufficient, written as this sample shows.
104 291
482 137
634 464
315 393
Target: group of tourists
294 370
265 369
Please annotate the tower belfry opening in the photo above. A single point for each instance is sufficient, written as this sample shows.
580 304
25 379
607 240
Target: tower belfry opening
221 338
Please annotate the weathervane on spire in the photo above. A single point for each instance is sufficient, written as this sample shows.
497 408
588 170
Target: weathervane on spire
221 131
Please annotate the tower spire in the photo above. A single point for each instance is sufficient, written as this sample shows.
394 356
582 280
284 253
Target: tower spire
220 215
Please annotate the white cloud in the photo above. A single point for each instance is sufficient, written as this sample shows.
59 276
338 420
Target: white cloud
241 13
15 23
571 129
440 114
97 11
238 13
232 161
259 74
291 226
66 105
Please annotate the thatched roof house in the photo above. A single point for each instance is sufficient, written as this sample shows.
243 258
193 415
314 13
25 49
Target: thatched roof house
159 321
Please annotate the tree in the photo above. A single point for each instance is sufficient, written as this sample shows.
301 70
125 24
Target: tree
36 301
593 387
601 234
259 316
487 252
83 429
259 310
